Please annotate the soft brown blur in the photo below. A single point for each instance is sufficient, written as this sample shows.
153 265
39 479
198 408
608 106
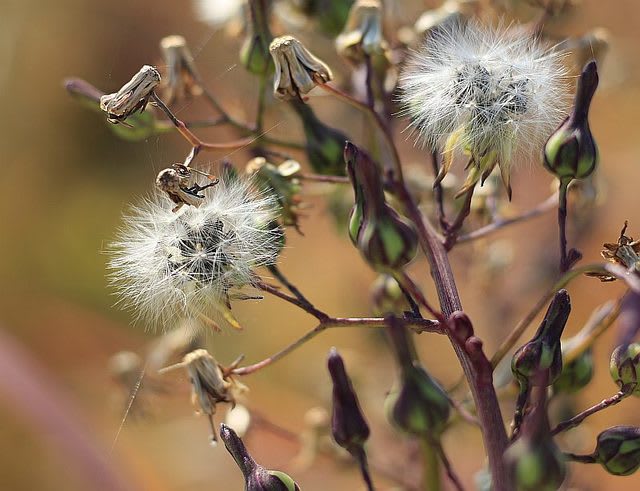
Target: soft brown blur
66 179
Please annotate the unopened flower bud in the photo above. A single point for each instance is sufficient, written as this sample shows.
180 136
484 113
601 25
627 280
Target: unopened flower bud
576 374
132 97
348 426
417 404
182 78
543 354
625 367
618 450
297 71
324 144
254 53
387 296
362 35
385 239
256 477
571 152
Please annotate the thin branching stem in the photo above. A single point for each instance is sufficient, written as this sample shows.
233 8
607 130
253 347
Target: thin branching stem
562 225
418 325
579 418
453 477
546 206
305 176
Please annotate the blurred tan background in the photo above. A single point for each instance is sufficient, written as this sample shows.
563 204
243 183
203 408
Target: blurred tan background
66 180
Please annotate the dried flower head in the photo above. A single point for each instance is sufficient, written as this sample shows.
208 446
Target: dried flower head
494 93
297 71
190 264
362 35
133 96
182 79
211 383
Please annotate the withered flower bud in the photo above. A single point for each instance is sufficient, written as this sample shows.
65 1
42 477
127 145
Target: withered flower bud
256 477
324 144
362 35
348 426
254 53
625 367
209 383
571 152
176 182
182 78
625 252
539 362
297 71
417 404
132 97
385 239
618 450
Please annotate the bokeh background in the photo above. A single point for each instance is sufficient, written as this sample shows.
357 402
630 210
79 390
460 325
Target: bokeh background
66 179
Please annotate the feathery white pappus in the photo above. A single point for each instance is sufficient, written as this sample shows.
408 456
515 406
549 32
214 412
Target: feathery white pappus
166 266
494 92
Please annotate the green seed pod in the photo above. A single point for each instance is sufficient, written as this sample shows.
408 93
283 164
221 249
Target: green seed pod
625 367
254 52
324 145
576 374
387 296
571 152
417 404
386 240
256 477
618 450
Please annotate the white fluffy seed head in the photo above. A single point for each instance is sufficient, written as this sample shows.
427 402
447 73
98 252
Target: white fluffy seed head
167 266
498 87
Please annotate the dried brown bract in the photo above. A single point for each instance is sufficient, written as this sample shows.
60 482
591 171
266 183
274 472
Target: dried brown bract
182 77
625 252
133 96
211 383
297 71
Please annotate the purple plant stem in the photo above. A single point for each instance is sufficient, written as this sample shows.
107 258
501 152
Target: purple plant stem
479 376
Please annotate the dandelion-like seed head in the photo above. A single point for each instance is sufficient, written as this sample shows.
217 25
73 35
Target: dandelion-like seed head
495 93
188 264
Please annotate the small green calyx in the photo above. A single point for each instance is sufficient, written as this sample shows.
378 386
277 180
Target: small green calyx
618 450
625 368
254 52
571 152
576 374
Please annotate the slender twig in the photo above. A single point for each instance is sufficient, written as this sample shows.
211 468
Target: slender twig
562 225
438 194
308 306
361 458
262 84
583 459
579 418
547 205
418 325
451 232
303 304
304 176
453 477
371 102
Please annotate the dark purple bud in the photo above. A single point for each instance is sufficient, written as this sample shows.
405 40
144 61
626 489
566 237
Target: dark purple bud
348 426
